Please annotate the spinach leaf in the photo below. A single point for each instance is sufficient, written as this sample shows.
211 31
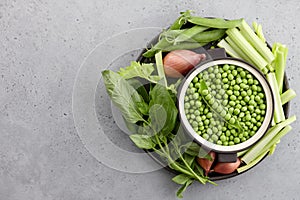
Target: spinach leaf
136 69
160 95
181 179
183 188
124 96
142 141
139 88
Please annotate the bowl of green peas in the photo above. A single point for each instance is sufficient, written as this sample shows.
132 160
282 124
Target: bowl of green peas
226 105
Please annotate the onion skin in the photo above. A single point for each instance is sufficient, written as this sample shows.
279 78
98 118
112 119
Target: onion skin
179 62
205 163
227 168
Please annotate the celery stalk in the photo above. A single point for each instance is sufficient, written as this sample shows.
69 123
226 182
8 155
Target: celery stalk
280 53
237 49
160 68
252 163
287 96
247 48
239 154
258 30
228 49
278 112
277 137
257 43
258 148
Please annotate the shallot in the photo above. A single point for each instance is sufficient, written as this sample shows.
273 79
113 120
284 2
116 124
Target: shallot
179 62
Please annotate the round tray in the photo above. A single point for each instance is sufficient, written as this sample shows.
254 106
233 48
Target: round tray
212 176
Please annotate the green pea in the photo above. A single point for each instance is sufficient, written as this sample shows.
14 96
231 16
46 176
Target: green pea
225 67
248 117
236 111
195 79
229 92
196 95
197 112
205 92
230 77
247 99
236 87
187 105
232 121
237 140
231 143
231 103
209 115
208 97
243 73
205 136
206 122
214 137
198 104
198 119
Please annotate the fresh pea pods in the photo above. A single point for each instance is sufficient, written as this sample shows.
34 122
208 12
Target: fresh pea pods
215 22
209 36
217 107
189 33
183 45
180 21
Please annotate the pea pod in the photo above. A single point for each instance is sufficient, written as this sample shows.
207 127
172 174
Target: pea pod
189 33
217 107
183 45
180 21
209 36
215 22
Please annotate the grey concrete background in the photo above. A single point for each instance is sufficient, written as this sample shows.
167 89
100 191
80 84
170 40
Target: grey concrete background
43 44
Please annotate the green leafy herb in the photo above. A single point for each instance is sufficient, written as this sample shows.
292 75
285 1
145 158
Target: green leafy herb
124 96
142 141
136 69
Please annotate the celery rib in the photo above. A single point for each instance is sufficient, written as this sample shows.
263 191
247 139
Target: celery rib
258 148
257 43
287 96
247 48
278 111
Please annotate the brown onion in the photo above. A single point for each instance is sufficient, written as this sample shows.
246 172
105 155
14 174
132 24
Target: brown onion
179 62
227 168
206 163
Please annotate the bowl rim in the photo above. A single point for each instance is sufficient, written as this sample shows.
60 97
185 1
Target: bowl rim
269 101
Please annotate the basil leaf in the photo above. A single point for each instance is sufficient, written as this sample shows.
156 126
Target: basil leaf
139 88
142 141
136 69
160 95
183 188
124 96
181 179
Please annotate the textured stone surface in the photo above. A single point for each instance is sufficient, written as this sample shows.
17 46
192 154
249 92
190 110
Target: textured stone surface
43 44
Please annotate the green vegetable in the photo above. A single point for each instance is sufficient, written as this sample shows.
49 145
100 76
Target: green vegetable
287 96
258 30
257 43
219 110
238 50
139 70
183 45
124 96
183 188
179 22
187 34
247 48
258 148
142 141
215 22
209 36
280 52
278 112
229 49
160 68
